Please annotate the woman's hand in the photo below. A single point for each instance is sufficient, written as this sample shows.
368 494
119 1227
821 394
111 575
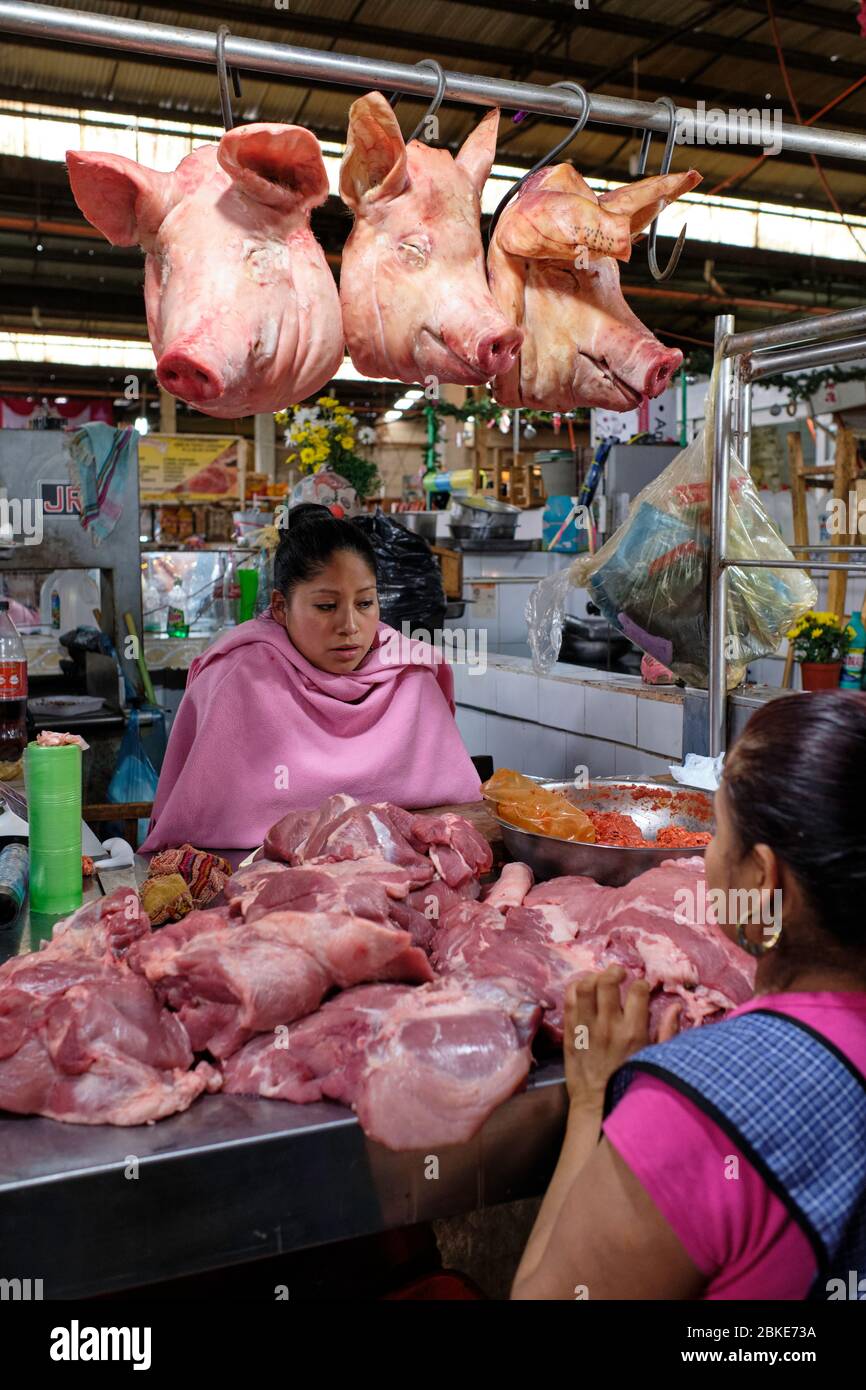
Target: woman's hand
600 1033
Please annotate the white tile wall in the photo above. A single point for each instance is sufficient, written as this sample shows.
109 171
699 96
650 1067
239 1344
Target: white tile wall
596 754
472 725
634 762
660 727
517 694
511 743
550 754
610 715
561 704
480 688
512 610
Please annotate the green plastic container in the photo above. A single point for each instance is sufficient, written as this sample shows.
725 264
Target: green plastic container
249 582
53 778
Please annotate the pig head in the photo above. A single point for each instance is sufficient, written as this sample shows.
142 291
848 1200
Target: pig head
242 310
553 269
414 292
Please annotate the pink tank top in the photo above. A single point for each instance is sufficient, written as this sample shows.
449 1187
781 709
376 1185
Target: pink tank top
735 1230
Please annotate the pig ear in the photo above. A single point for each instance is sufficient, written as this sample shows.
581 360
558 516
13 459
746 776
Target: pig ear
121 198
478 150
280 165
556 217
643 201
374 167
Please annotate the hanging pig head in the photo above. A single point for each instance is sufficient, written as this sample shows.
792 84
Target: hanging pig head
242 310
414 292
553 270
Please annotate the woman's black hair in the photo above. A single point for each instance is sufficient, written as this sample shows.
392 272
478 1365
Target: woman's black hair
311 536
795 780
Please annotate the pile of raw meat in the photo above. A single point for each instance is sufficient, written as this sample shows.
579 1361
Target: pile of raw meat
357 959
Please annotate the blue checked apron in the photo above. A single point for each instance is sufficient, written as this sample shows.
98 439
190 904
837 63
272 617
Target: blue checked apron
794 1104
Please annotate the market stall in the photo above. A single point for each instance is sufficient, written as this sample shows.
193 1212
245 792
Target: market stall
444 816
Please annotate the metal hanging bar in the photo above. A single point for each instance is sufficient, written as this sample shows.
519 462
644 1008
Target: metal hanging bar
801 358
837 325
45 23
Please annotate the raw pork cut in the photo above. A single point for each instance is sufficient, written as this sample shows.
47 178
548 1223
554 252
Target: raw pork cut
232 981
412 284
344 829
369 887
421 1067
553 270
570 925
242 311
85 1041
510 888
102 930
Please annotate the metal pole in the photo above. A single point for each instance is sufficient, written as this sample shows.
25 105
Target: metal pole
718 666
799 358
45 23
810 330
744 422
852 566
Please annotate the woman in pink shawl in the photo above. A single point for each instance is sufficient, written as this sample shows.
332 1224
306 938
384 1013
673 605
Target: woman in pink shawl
314 697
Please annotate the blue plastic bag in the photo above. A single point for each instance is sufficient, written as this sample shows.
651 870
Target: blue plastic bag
135 777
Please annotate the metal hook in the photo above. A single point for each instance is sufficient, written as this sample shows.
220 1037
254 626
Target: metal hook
550 156
435 103
223 73
667 160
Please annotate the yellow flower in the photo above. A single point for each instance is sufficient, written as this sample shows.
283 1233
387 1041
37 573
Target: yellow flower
308 456
327 401
346 440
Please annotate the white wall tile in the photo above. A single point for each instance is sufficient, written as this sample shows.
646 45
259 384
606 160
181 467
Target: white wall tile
512 611
660 727
633 762
594 753
461 675
549 752
511 743
561 704
611 716
472 724
517 695
480 688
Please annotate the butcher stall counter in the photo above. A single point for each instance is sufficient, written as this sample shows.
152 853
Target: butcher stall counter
95 1209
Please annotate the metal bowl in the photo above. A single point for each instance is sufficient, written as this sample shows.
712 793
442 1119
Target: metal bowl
614 865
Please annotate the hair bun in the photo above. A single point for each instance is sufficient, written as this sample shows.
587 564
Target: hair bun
308 511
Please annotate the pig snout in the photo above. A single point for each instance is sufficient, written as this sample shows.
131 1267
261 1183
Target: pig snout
497 350
660 372
188 373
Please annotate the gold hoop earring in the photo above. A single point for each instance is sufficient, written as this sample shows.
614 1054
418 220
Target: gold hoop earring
758 948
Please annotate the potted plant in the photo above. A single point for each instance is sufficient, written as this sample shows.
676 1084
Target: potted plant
325 436
820 643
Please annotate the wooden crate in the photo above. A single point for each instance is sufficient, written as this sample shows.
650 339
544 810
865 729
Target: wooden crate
451 565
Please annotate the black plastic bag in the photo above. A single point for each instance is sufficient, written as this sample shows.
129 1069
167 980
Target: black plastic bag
409 579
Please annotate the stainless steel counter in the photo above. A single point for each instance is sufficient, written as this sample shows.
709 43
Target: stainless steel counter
92 1209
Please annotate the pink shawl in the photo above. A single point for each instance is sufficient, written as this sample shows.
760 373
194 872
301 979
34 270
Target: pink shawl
260 732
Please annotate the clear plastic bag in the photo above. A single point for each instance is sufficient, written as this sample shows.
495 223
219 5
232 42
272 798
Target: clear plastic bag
652 578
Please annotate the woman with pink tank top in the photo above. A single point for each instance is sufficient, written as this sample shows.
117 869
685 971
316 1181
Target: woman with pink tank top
729 1162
